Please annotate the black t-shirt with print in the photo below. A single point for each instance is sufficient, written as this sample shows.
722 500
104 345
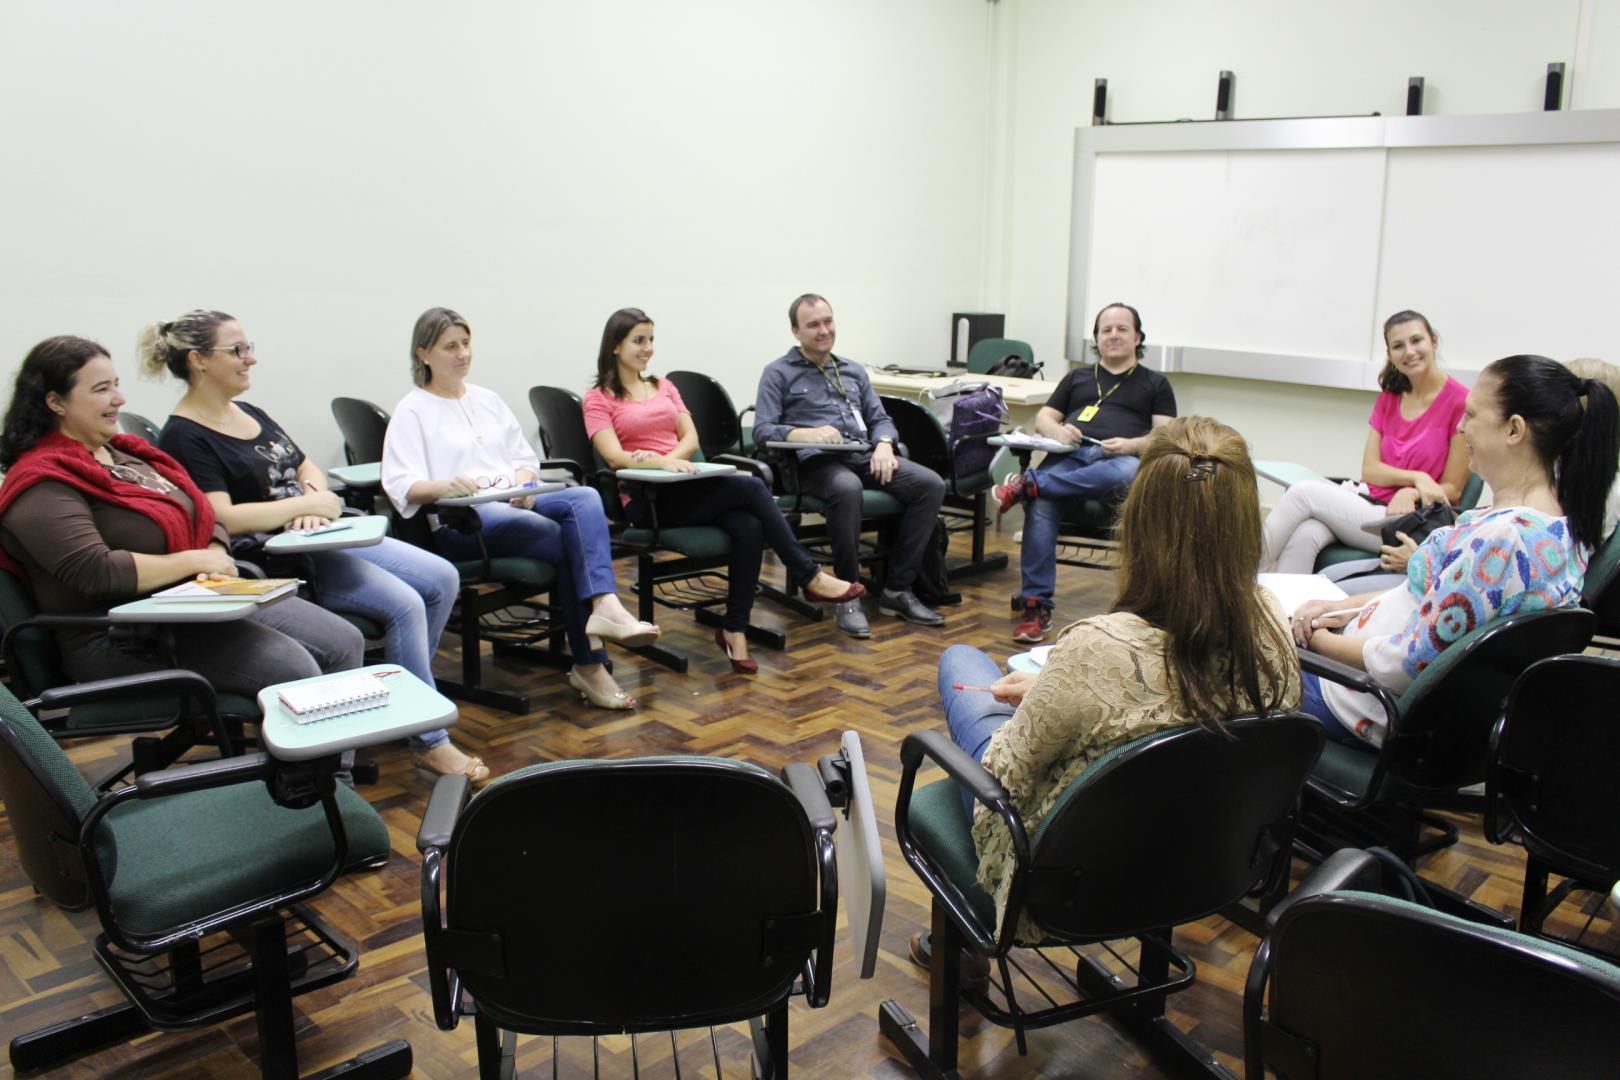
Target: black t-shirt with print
1126 412
259 469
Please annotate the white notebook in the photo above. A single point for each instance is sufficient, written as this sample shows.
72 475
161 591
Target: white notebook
333 697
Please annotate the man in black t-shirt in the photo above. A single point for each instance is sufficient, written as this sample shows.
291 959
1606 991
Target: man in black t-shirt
1106 411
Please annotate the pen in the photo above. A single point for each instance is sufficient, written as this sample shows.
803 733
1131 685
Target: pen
1346 611
960 686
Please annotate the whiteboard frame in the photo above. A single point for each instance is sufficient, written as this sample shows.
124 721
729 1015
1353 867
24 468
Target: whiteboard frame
1564 127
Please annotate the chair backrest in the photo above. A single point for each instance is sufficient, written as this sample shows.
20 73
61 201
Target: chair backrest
36 661
46 801
1552 776
1364 985
718 429
1448 711
1169 827
562 426
135 424
920 430
1472 490
364 426
1600 593
635 895
984 354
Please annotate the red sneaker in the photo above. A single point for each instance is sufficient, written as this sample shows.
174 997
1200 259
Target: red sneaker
1009 492
1034 623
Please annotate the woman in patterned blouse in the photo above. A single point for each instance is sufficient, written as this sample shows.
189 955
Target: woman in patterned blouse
1545 440
1177 648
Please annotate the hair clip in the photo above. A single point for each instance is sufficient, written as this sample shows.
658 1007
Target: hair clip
1202 469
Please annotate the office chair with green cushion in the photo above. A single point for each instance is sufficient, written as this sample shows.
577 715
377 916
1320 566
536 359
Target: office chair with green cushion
1550 785
985 354
198 874
1599 593
605 897
34 668
1335 554
135 424
718 423
966 498
1363 985
1158 832
490 587
1438 735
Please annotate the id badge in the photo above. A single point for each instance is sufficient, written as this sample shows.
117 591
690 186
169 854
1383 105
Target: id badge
859 421
1085 415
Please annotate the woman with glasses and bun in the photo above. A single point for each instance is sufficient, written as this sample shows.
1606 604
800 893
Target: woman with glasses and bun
1174 649
258 480
91 519
1546 441
450 438
1413 457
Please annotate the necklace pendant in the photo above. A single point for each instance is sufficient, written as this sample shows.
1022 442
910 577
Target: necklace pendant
480 438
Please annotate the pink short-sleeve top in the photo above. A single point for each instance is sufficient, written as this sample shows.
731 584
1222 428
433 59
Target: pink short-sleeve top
1422 443
640 425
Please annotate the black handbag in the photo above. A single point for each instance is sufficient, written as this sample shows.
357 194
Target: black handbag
1418 524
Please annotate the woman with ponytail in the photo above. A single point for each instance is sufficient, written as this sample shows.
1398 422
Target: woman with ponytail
1546 441
1176 648
91 518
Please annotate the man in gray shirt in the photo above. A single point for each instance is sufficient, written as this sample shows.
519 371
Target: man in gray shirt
811 396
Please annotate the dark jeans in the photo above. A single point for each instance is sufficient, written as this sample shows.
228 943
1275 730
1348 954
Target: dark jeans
839 481
742 506
285 640
1312 703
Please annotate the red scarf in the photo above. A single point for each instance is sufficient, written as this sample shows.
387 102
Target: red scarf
68 461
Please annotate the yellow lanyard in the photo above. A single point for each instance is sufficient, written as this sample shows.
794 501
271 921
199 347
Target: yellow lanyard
1102 397
839 385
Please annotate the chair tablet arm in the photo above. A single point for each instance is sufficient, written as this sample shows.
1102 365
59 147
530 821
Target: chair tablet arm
748 465
222 772
443 811
1347 868
151 682
806 785
937 747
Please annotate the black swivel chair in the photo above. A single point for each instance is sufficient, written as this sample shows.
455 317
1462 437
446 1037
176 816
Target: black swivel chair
135 424
1161 831
1599 593
1551 783
718 423
606 897
1365 985
199 874
502 600
966 497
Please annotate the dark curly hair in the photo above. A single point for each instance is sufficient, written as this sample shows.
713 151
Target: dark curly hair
51 367
618 327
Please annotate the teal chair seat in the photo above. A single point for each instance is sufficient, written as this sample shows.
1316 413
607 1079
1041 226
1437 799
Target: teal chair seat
510 570
942 828
183 858
696 541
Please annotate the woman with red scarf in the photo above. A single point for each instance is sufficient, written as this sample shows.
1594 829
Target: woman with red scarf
91 519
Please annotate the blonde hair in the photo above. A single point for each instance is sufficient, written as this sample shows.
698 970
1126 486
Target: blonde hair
430 326
166 346
1590 367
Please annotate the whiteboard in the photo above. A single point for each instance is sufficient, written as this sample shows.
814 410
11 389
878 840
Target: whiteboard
1255 250
1275 249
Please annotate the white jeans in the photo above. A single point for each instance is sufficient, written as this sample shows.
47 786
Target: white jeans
1308 518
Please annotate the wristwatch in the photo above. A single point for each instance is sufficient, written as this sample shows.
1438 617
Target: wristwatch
887 439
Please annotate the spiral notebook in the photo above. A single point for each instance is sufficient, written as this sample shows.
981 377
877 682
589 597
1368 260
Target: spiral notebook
322 700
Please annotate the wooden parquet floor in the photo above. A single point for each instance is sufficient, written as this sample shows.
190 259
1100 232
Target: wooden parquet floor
795 709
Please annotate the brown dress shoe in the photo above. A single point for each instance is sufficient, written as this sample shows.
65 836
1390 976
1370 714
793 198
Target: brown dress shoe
975 969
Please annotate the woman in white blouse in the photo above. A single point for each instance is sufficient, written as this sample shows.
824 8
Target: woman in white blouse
449 438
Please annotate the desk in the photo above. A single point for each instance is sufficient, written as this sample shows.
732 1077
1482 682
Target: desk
506 494
825 447
1024 397
413 707
151 610
358 477
669 476
356 532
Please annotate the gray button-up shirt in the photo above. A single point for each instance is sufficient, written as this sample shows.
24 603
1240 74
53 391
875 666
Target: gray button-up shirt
794 393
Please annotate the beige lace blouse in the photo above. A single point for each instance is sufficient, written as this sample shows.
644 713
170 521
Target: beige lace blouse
1104 683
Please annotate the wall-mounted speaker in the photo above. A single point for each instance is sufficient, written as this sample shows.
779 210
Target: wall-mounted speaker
1099 103
1414 96
1223 97
1555 88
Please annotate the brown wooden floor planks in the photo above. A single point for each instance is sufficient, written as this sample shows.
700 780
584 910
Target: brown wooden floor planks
795 709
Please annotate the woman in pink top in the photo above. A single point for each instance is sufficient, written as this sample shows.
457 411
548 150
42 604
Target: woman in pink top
636 420
1414 456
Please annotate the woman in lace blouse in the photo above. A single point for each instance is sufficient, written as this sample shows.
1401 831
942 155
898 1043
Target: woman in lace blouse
1176 648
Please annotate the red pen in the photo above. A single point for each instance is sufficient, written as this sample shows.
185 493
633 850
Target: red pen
960 686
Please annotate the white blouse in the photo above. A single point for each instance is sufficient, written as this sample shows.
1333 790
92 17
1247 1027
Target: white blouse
435 438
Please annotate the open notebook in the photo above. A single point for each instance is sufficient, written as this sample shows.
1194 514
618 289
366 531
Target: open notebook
259 590
326 698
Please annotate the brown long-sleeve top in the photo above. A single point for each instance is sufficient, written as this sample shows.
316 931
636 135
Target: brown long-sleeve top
78 551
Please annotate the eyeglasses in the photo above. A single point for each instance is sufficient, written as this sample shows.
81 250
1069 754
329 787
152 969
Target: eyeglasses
131 475
242 349
485 483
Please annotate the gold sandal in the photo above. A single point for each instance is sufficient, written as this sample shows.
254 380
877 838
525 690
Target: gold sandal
475 769
616 700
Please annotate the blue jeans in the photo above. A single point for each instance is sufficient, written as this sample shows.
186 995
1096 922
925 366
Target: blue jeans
1087 473
566 529
972 715
1312 703
409 590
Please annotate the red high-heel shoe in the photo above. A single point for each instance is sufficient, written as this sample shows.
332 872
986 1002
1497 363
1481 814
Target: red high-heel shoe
741 667
855 591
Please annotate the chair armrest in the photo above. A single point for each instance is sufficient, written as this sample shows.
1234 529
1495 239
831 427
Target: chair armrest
748 465
222 772
247 569
1339 672
806 786
939 749
183 682
573 467
443 811
1347 868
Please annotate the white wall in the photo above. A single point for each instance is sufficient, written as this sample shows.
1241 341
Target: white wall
1289 58
325 171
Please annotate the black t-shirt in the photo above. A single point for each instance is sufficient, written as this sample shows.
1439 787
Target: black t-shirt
260 469
1124 413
